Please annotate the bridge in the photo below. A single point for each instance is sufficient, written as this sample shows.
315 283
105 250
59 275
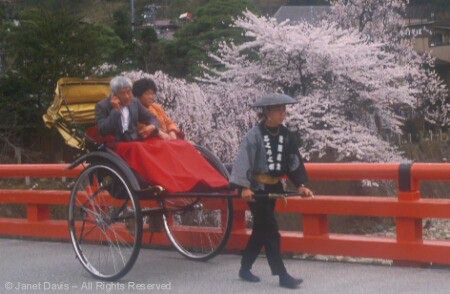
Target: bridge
50 265
41 264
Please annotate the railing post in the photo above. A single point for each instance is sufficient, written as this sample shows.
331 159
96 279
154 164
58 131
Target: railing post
408 229
315 225
37 212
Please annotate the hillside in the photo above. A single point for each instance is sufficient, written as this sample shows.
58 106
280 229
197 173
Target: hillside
102 10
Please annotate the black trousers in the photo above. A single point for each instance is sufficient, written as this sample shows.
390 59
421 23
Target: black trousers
264 233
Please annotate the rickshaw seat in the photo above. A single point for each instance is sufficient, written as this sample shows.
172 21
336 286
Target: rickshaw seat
94 134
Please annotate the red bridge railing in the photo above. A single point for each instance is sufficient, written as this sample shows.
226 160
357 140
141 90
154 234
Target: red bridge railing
408 209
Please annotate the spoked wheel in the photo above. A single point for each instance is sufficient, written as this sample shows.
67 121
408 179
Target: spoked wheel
198 227
105 222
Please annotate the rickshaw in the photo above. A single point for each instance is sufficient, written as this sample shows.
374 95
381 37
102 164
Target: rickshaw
105 217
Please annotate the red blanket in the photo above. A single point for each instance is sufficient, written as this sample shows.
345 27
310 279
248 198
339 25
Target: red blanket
175 165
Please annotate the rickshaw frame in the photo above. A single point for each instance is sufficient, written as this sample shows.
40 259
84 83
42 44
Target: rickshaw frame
105 200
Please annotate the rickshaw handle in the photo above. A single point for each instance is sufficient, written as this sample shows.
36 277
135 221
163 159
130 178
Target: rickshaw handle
225 194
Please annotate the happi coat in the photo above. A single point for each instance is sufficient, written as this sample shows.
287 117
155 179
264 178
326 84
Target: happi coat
257 155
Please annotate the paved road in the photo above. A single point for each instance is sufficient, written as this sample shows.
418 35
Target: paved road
45 265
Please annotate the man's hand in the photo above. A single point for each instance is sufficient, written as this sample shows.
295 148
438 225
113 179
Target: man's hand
247 194
305 192
115 102
146 131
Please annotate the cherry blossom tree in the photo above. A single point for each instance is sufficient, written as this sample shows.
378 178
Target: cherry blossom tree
381 20
376 19
350 89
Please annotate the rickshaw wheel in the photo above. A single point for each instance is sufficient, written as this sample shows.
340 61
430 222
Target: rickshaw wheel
105 222
198 227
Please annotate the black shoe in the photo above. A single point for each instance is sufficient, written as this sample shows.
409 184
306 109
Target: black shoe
287 281
247 275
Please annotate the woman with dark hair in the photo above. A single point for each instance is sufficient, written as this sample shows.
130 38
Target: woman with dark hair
145 90
268 152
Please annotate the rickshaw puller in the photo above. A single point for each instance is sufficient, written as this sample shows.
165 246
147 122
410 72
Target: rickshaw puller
268 152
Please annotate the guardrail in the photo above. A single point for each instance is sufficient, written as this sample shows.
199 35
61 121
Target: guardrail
408 209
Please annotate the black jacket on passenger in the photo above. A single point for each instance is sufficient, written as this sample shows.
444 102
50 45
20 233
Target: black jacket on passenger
109 121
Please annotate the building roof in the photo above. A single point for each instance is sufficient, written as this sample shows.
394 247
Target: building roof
164 23
310 14
443 25
418 12
426 12
186 15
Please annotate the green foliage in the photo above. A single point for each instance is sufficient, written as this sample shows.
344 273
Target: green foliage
122 28
2 13
210 26
149 36
70 5
148 51
182 56
48 45
15 104
2 21
122 25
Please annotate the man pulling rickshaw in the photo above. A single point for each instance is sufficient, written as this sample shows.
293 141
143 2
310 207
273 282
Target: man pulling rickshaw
136 156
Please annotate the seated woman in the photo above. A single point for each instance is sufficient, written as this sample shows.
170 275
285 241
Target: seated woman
145 90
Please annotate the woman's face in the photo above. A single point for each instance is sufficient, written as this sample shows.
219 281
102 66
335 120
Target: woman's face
148 97
275 115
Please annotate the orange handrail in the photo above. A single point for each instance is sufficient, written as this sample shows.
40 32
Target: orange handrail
352 171
408 209
38 171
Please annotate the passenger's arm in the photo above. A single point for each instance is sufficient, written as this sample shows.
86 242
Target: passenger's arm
146 117
170 125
